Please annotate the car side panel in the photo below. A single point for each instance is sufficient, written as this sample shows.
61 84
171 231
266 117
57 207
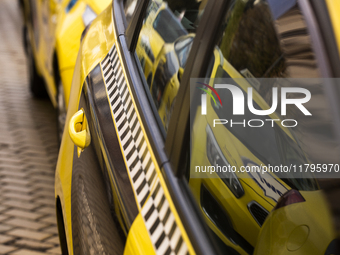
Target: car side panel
93 226
101 36
136 242
164 226
103 135
66 79
154 202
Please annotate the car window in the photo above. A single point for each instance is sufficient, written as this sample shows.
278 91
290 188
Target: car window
263 44
168 26
182 49
262 141
163 47
129 9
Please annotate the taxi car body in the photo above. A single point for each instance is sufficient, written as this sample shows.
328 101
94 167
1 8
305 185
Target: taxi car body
300 233
125 179
51 34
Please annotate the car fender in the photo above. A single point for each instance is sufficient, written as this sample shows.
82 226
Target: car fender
101 35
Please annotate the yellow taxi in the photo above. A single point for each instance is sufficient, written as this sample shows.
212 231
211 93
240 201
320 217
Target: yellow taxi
131 181
51 34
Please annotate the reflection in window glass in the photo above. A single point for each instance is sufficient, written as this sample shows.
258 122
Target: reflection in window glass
129 9
168 27
262 39
182 49
163 47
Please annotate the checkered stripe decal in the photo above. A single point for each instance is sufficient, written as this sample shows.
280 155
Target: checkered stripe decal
142 170
159 220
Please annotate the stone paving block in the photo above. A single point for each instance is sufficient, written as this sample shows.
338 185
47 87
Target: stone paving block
16 188
34 171
42 178
4 227
11 161
45 166
31 147
27 223
29 244
45 201
14 181
51 229
5 238
54 240
42 185
9 165
47 210
6 248
13 168
54 251
17 196
13 173
5 152
29 234
3 208
20 204
43 193
23 214
27 252
29 152
49 219
3 217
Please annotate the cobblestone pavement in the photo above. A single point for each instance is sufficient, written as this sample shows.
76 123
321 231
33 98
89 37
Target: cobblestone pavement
28 150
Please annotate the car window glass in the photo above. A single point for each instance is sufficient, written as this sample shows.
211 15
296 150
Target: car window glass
163 47
260 39
129 9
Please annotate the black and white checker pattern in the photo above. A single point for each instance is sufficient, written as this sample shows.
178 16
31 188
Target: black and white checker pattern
158 218
160 221
138 158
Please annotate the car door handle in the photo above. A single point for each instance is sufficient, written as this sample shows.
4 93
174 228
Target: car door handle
79 131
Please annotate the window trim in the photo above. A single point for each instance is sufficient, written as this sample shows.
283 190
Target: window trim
133 30
119 16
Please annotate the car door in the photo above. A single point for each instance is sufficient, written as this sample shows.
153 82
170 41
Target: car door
234 58
169 217
125 154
